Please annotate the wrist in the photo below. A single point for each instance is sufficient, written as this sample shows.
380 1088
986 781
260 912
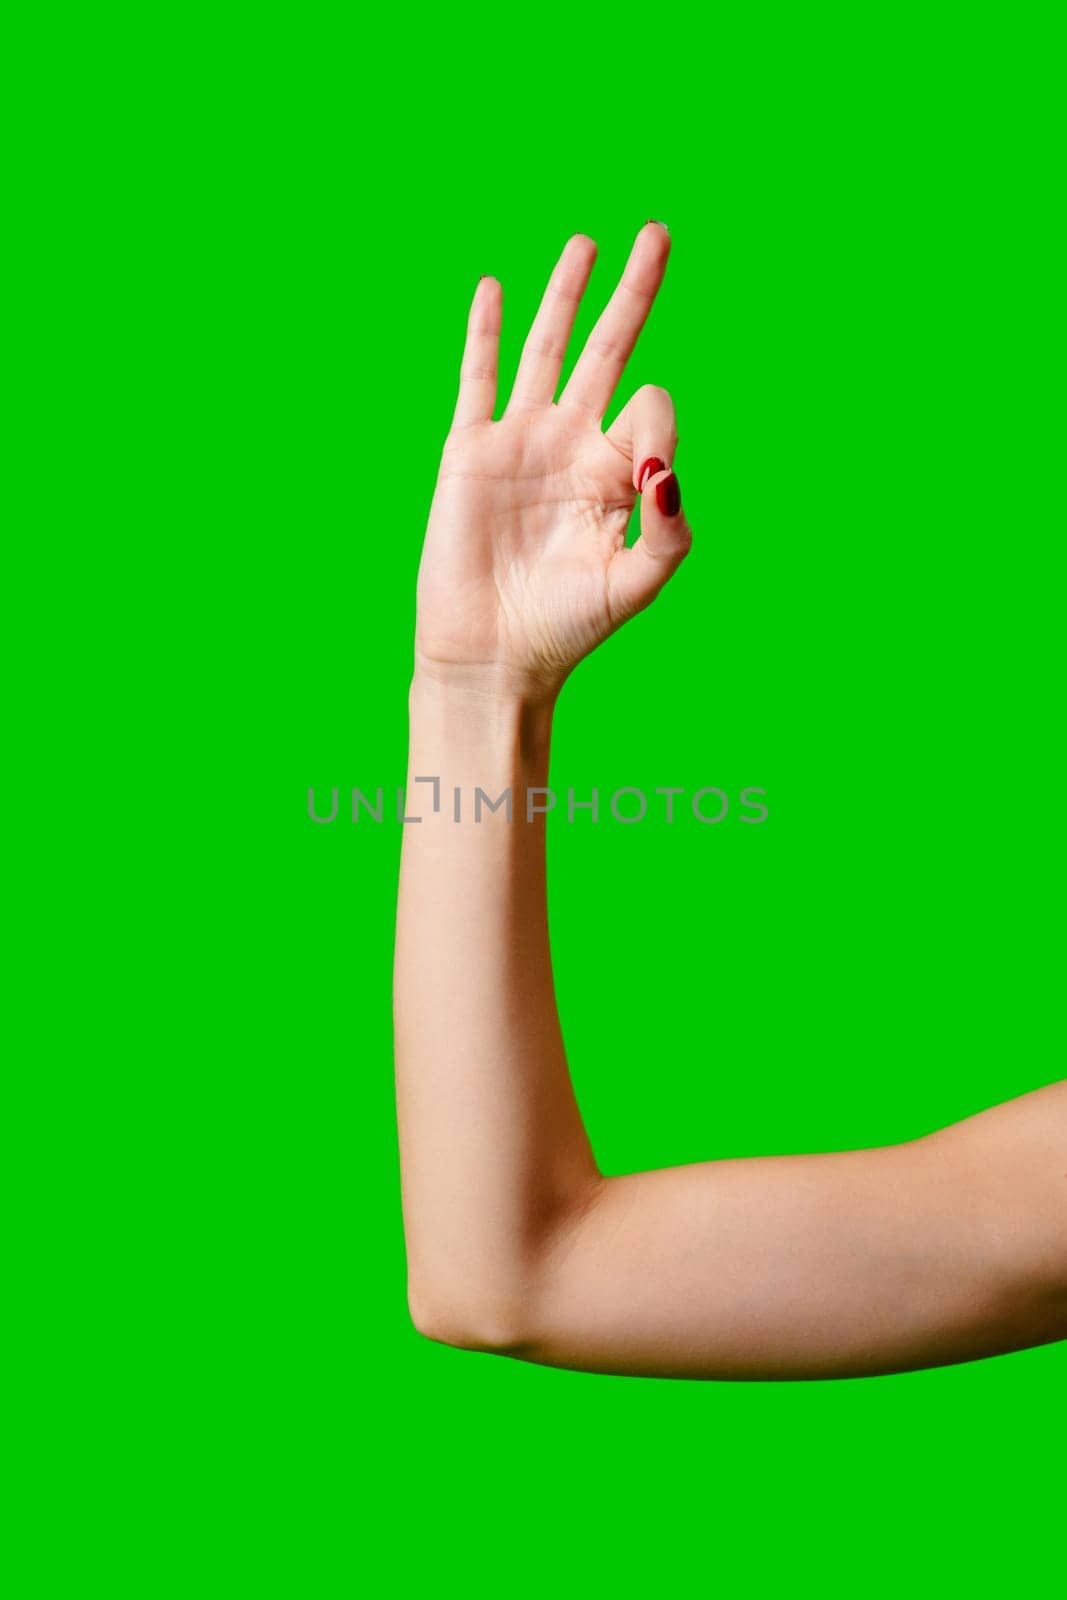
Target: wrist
482 685
478 710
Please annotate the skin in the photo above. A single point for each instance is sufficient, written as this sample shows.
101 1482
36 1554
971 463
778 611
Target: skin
942 1249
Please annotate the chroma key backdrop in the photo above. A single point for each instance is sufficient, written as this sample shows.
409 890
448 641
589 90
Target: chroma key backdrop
247 244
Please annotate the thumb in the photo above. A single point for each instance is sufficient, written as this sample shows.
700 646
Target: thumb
639 574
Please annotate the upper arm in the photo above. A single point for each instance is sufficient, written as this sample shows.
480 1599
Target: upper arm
942 1249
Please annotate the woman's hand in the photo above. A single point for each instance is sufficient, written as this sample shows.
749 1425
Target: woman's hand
524 568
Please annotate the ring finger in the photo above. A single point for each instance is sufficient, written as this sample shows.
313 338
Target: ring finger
546 343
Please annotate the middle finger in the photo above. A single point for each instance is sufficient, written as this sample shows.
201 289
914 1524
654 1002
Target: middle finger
610 344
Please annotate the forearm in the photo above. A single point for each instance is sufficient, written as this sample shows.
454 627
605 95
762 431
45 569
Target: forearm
492 1147
834 1265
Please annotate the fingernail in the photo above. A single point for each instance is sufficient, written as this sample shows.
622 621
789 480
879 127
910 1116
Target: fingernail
657 221
653 464
669 496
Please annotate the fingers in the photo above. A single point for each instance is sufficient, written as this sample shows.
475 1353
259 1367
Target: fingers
638 575
546 343
481 356
645 430
610 344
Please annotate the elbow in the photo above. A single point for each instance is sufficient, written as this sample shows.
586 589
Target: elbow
491 1327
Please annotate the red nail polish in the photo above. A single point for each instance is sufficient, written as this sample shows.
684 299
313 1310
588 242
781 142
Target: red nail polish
653 464
669 496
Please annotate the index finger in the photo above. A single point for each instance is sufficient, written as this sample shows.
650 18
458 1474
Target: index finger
610 344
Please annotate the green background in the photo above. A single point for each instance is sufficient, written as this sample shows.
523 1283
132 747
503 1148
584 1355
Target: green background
247 248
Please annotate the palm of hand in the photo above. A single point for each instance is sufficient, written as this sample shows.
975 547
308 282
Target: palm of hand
528 519
525 567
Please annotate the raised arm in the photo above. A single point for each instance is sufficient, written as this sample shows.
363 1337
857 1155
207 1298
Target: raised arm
942 1249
